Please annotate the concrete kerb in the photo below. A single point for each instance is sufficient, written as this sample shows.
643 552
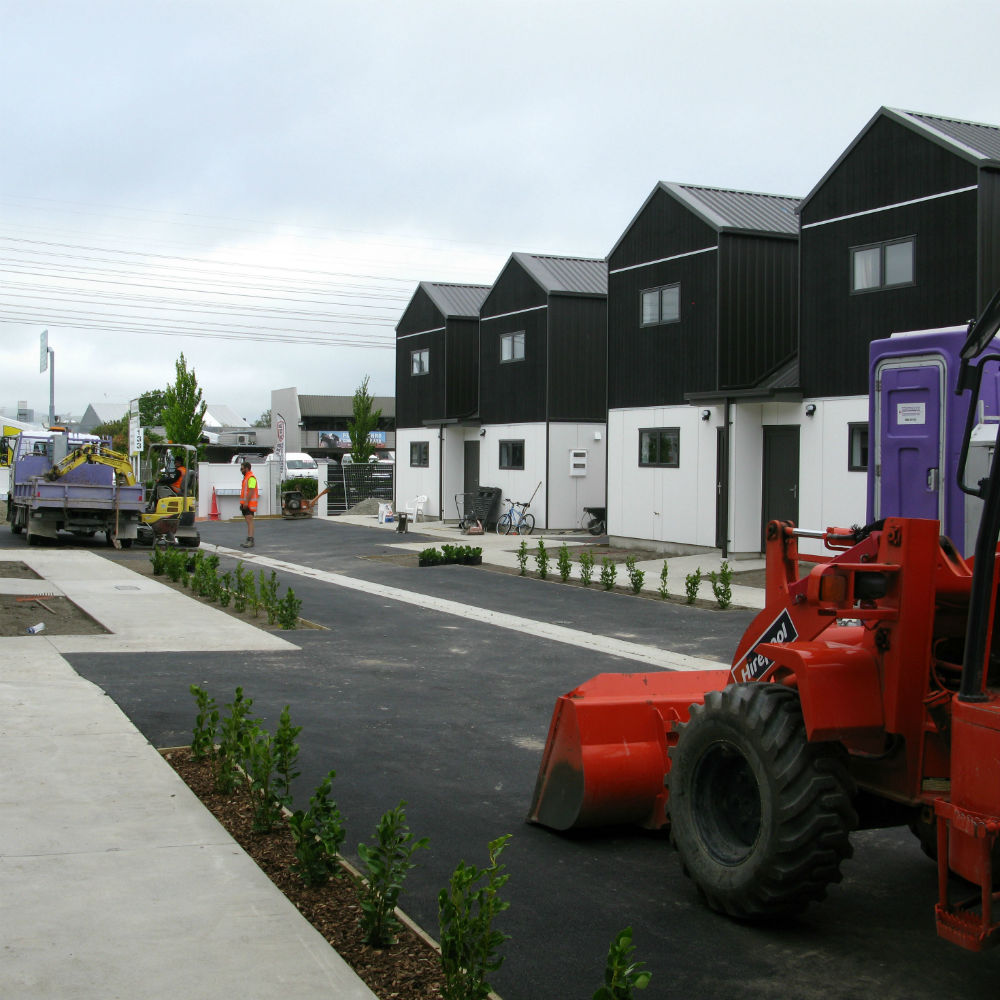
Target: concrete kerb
501 550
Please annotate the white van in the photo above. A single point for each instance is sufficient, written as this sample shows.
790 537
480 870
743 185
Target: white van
298 465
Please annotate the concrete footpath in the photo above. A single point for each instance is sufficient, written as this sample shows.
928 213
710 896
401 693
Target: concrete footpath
116 881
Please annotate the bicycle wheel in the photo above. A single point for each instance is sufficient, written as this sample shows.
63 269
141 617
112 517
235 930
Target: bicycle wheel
504 525
526 525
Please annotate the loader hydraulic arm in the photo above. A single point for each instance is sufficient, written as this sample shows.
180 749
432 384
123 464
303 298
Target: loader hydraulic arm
98 454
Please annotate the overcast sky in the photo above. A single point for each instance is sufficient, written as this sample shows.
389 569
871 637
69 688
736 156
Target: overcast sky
261 185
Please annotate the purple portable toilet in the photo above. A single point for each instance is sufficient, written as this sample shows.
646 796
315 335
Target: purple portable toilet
916 423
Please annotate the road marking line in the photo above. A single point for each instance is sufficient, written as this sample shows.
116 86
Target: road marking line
651 656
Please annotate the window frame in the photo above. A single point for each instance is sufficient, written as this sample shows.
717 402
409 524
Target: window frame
514 338
423 353
882 247
420 450
512 444
675 432
658 290
854 429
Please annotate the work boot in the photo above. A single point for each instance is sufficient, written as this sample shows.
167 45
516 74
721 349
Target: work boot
248 544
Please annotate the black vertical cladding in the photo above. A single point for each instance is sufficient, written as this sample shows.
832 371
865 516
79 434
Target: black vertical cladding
577 388
657 365
892 183
758 307
462 336
419 396
989 239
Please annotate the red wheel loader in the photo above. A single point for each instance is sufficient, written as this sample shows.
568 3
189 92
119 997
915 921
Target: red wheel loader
866 694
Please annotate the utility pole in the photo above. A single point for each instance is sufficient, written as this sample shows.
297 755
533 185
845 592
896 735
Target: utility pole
42 365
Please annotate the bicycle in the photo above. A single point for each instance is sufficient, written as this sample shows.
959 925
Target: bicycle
516 519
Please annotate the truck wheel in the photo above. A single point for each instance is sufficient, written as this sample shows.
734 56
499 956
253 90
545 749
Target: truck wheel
760 816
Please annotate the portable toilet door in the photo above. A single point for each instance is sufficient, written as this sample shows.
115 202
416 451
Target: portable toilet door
909 438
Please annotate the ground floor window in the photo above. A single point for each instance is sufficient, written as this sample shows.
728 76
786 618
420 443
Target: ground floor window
660 446
512 454
857 447
420 454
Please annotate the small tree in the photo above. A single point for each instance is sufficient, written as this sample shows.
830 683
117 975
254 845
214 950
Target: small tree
264 420
117 431
183 408
364 421
151 408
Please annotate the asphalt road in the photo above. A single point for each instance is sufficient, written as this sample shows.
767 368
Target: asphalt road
449 715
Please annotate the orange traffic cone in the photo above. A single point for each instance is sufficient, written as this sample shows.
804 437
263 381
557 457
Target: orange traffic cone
213 514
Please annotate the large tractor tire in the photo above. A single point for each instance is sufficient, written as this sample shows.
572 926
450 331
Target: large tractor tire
760 816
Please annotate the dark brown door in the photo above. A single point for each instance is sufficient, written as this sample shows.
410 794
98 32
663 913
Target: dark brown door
722 490
471 466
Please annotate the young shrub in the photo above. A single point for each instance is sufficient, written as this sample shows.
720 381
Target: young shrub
722 584
158 557
240 588
522 556
288 610
664 592
691 584
451 554
258 761
542 560
622 975
286 755
635 575
586 567
225 589
564 562
232 735
430 557
318 833
206 724
466 911
176 560
609 572
386 862
269 595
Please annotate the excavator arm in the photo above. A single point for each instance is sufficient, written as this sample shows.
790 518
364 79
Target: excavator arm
91 454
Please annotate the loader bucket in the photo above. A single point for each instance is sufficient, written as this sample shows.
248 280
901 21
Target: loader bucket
605 759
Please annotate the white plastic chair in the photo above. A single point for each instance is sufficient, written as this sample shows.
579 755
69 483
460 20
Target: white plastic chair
415 507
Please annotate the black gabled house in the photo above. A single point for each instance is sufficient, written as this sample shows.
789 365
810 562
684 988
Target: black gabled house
901 233
702 294
437 354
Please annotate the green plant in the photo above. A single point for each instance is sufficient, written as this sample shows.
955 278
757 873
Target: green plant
206 723
288 610
691 584
586 566
158 557
204 581
609 572
318 833
522 556
542 560
241 586
635 575
466 911
257 757
564 562
225 589
269 595
232 735
176 560
430 557
386 861
722 584
622 975
664 593
286 755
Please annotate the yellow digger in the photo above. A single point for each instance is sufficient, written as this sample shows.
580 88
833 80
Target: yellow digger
172 496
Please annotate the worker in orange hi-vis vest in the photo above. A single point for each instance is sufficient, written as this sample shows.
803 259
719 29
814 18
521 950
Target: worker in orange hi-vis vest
248 501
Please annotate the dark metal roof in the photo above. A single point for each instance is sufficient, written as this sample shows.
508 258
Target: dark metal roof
582 275
342 406
781 383
979 144
456 300
743 210
969 139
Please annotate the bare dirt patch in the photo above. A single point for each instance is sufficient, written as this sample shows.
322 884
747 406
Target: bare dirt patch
59 615
10 570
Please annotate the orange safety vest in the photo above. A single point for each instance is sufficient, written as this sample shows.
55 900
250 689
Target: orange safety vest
248 492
